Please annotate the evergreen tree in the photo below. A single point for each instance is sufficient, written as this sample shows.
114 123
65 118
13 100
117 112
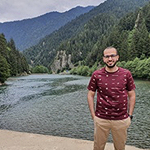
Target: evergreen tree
16 60
4 69
12 62
146 14
3 46
141 40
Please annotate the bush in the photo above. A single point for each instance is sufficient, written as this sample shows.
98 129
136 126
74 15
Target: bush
73 70
40 69
139 68
82 70
143 69
85 71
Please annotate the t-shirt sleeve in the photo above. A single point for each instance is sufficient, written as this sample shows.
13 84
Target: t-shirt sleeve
130 83
93 83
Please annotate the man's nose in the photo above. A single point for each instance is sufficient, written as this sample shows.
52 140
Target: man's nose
110 58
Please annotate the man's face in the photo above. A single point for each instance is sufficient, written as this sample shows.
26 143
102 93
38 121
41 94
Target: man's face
110 57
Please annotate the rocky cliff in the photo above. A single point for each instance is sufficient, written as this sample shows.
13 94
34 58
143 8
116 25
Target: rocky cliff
61 62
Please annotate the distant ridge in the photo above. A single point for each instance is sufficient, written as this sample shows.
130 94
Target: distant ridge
28 32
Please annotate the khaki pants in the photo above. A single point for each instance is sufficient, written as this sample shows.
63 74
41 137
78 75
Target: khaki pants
118 129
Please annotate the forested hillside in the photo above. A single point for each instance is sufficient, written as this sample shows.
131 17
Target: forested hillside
28 32
85 36
12 62
131 37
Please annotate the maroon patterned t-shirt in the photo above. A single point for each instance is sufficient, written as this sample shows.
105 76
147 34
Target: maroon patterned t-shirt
112 93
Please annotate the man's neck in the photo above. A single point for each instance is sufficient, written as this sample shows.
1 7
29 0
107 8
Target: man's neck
114 69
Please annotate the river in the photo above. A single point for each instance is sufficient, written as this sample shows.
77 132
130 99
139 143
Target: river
57 105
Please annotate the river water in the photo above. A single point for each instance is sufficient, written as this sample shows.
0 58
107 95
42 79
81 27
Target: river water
57 105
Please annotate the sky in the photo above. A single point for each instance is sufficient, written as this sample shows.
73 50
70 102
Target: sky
12 10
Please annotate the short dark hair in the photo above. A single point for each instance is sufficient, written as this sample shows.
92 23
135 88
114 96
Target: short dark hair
110 47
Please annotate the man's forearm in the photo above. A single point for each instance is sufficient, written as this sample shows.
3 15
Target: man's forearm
131 102
131 106
91 103
91 107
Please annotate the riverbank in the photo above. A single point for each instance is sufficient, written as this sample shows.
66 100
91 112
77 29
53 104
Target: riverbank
12 140
2 84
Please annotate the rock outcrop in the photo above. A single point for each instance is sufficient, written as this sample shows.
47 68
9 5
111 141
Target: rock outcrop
61 62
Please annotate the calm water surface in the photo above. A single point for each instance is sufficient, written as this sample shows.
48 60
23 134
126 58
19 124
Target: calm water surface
57 105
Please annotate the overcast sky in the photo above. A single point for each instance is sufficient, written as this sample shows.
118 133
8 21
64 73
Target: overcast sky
11 10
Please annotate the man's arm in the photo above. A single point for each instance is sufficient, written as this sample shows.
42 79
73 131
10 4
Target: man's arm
90 99
131 95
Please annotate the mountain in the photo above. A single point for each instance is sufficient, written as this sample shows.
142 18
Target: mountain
28 32
78 37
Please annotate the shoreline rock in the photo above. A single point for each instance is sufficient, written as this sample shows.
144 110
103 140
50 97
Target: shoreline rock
1 84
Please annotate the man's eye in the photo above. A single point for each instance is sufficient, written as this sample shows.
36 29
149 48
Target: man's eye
107 56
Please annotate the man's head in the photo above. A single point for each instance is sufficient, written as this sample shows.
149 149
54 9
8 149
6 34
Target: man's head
110 57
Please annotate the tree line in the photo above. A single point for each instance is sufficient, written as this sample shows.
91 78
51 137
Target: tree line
12 62
139 67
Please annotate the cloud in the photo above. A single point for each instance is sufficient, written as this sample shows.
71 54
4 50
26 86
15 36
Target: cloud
11 10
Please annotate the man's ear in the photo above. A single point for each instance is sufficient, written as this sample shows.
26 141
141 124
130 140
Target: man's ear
117 57
103 59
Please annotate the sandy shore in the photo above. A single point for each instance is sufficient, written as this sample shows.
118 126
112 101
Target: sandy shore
10 140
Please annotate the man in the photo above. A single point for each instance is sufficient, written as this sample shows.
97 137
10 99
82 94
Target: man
115 101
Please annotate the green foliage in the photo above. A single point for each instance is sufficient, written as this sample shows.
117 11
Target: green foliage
121 64
81 45
84 70
16 60
12 62
143 69
40 69
73 70
80 70
131 35
128 21
139 68
4 69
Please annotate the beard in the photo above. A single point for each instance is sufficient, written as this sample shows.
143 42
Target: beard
111 66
